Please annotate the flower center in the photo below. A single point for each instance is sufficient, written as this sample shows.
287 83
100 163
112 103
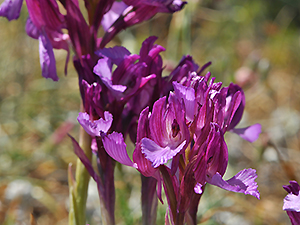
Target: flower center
175 128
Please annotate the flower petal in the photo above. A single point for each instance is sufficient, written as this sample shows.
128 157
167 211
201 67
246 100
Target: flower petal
159 155
94 128
217 152
291 202
188 96
103 70
113 14
232 89
144 165
250 133
31 29
233 103
115 146
78 29
47 59
162 5
139 11
115 54
11 9
294 187
242 182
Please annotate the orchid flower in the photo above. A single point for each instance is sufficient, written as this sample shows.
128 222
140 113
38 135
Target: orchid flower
229 103
169 134
210 111
94 128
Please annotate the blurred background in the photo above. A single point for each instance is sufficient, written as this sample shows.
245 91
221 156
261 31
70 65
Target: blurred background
255 44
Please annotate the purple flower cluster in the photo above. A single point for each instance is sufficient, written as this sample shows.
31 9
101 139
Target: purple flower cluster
177 122
179 135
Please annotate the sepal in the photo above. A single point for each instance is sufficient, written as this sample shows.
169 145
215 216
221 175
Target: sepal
242 182
116 148
47 59
11 9
250 133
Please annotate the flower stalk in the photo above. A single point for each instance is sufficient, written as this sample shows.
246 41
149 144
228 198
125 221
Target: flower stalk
78 190
106 168
170 191
149 200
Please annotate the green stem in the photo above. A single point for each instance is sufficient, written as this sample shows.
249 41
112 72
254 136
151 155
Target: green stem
78 191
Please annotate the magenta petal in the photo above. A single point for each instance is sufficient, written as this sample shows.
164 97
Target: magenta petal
115 54
115 146
159 155
232 89
94 128
47 59
143 125
233 103
217 152
103 70
188 96
291 202
31 29
162 5
113 14
250 133
294 187
242 182
143 164
51 15
78 29
11 9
